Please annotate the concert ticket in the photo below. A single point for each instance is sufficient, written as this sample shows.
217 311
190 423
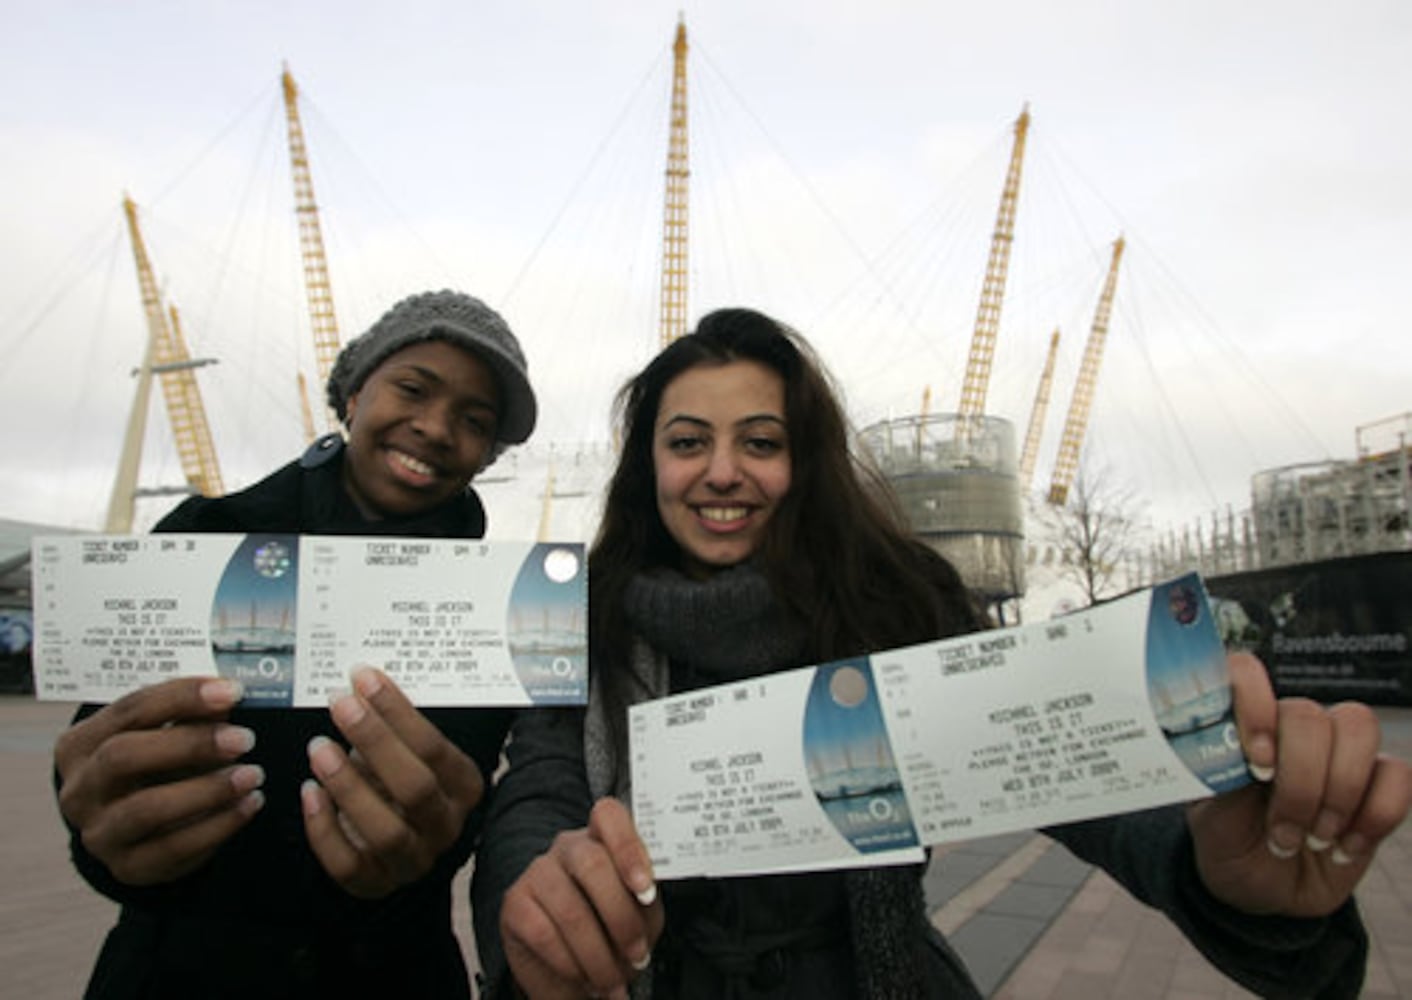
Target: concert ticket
866 761
453 622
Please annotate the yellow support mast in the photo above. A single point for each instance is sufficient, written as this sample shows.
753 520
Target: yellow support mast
922 417
977 381
317 287
546 507
165 355
993 293
674 223
1037 414
306 412
1066 466
174 366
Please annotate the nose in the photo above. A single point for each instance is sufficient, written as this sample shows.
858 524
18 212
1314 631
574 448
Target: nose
723 470
436 423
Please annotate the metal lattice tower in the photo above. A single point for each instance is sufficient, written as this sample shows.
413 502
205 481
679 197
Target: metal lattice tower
977 381
674 223
306 412
174 367
317 287
1066 466
1037 415
165 355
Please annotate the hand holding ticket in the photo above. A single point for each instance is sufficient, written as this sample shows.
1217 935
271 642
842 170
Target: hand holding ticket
866 761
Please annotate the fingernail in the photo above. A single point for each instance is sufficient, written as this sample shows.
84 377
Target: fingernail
1326 827
323 758
235 740
251 804
1261 750
222 693
1349 849
247 777
367 681
348 710
1284 840
643 886
641 963
1262 773
309 797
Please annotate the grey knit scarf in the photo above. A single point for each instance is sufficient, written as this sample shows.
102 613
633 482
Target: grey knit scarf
726 628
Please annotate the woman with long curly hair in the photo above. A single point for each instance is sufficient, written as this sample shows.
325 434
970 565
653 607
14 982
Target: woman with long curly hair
741 536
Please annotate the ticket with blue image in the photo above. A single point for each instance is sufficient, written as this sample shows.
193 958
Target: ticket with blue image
868 760
454 622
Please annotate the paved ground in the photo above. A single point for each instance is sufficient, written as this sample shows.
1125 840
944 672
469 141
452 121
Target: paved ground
1032 923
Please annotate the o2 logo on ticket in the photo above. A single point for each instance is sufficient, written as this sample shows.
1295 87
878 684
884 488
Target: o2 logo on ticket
252 619
1188 686
849 759
546 628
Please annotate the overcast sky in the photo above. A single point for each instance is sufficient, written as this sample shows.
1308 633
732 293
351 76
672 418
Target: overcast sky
847 160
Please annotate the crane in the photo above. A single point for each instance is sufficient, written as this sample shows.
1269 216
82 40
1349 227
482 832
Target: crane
317 287
1066 466
674 220
1041 408
977 380
165 355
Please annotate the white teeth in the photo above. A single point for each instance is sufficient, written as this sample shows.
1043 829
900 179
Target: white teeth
724 513
413 464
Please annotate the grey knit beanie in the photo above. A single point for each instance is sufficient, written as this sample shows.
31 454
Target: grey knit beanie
458 319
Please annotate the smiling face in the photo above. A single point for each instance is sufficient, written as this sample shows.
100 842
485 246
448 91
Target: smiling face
720 451
419 428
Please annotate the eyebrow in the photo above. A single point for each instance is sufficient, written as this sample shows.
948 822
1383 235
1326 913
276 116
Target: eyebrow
754 418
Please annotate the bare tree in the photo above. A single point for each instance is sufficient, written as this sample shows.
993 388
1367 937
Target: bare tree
1095 530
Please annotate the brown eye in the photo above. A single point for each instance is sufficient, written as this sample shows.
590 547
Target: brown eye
685 445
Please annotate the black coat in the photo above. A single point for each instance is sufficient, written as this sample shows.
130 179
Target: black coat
262 918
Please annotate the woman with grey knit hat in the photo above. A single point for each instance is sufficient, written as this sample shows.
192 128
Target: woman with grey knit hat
287 852
740 538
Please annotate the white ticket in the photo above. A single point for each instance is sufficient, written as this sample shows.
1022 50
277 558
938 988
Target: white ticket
866 761
454 622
